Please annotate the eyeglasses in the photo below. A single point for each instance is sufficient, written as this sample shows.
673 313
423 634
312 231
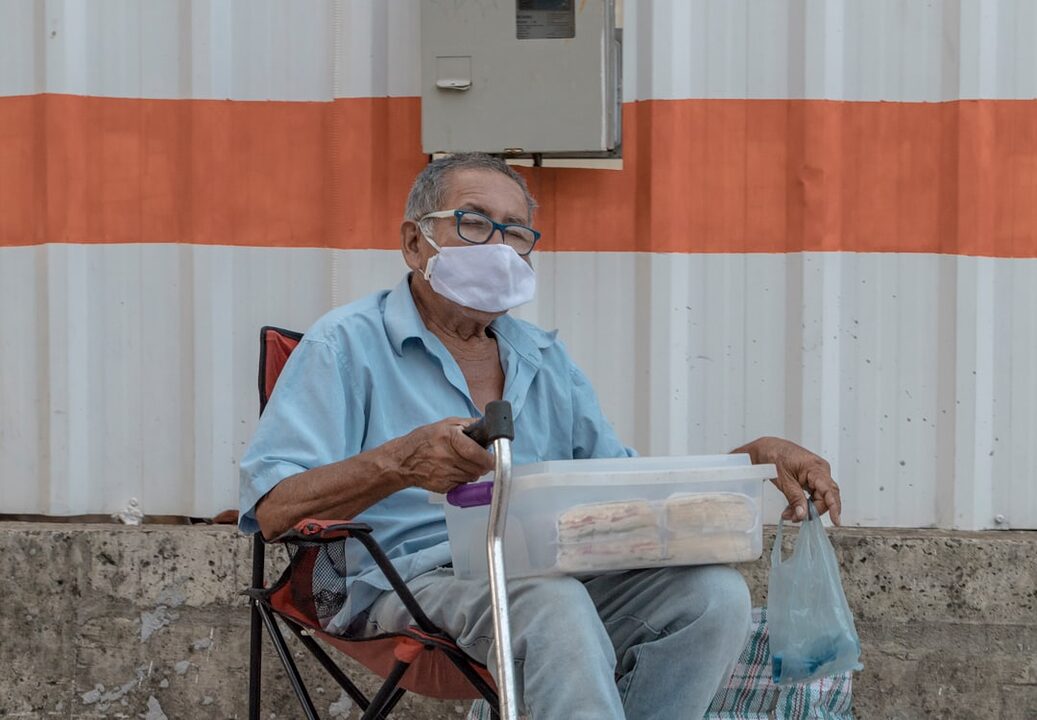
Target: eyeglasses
474 227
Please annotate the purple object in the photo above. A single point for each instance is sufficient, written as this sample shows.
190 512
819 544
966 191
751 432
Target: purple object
471 495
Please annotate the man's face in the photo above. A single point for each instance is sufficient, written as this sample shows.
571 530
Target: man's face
486 191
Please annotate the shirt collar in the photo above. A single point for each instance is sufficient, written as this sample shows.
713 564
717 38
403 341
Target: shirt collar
402 322
401 317
526 339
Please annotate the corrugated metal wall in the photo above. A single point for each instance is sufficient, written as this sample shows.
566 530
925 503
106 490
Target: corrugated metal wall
727 293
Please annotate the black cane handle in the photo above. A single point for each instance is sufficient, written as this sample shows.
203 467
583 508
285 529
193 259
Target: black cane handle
495 424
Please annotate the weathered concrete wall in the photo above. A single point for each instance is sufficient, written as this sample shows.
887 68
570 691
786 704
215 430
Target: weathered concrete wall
103 621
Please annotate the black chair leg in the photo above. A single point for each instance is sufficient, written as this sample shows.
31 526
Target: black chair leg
332 668
255 652
289 663
387 693
255 662
400 692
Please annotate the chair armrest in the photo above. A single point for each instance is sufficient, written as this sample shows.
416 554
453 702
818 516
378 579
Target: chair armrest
321 531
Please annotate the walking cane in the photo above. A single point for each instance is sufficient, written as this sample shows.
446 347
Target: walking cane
496 427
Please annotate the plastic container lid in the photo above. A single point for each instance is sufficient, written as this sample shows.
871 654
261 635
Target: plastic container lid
633 470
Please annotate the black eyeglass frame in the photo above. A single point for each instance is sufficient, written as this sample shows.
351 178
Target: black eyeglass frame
458 214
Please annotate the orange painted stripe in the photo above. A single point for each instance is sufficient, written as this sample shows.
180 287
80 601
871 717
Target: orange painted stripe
699 175
276 174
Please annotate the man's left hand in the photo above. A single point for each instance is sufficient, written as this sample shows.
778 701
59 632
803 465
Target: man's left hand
798 470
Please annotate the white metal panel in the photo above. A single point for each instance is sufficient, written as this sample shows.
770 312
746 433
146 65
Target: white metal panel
914 375
894 50
130 370
378 48
210 49
23 381
22 32
906 371
1014 450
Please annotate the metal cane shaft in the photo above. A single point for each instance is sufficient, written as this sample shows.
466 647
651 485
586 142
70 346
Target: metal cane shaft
498 581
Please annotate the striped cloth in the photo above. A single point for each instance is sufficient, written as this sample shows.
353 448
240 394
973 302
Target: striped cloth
749 693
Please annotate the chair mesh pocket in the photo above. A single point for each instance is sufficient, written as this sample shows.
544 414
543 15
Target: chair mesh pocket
326 563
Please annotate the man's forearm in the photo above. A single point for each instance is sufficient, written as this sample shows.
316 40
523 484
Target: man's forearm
340 490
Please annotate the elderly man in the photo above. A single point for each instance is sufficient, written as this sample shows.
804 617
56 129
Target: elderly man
366 421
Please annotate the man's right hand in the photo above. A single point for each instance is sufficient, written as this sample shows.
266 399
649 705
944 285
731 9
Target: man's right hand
436 457
439 457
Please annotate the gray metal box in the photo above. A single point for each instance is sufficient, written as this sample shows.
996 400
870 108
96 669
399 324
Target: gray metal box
521 77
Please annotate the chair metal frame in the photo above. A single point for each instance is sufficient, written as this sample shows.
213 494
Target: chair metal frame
423 636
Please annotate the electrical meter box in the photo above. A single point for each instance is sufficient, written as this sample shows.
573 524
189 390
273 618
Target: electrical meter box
521 77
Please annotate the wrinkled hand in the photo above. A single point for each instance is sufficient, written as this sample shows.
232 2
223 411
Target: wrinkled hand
439 457
798 470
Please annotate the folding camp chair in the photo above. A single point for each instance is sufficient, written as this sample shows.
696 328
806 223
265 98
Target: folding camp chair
422 658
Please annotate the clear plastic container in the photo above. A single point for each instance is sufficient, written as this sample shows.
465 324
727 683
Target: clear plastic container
588 516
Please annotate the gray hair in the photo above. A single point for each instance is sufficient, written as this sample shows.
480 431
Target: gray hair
429 188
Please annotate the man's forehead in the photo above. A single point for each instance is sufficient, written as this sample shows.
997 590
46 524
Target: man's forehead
487 190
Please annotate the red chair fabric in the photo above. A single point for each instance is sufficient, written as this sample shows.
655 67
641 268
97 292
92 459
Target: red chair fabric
431 656
275 346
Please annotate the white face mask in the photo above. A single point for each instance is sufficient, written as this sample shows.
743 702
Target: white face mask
491 278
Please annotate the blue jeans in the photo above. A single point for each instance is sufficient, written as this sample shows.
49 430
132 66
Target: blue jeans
644 644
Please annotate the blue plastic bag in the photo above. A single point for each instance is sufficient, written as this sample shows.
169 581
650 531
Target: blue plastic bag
811 628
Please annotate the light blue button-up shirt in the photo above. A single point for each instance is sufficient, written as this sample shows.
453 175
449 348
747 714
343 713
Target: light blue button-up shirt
371 371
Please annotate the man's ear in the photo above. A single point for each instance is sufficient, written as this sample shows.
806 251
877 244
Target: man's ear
410 243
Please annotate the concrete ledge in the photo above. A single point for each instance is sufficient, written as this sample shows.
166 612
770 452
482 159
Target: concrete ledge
103 621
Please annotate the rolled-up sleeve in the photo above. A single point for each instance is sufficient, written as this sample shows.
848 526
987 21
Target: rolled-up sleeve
314 417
